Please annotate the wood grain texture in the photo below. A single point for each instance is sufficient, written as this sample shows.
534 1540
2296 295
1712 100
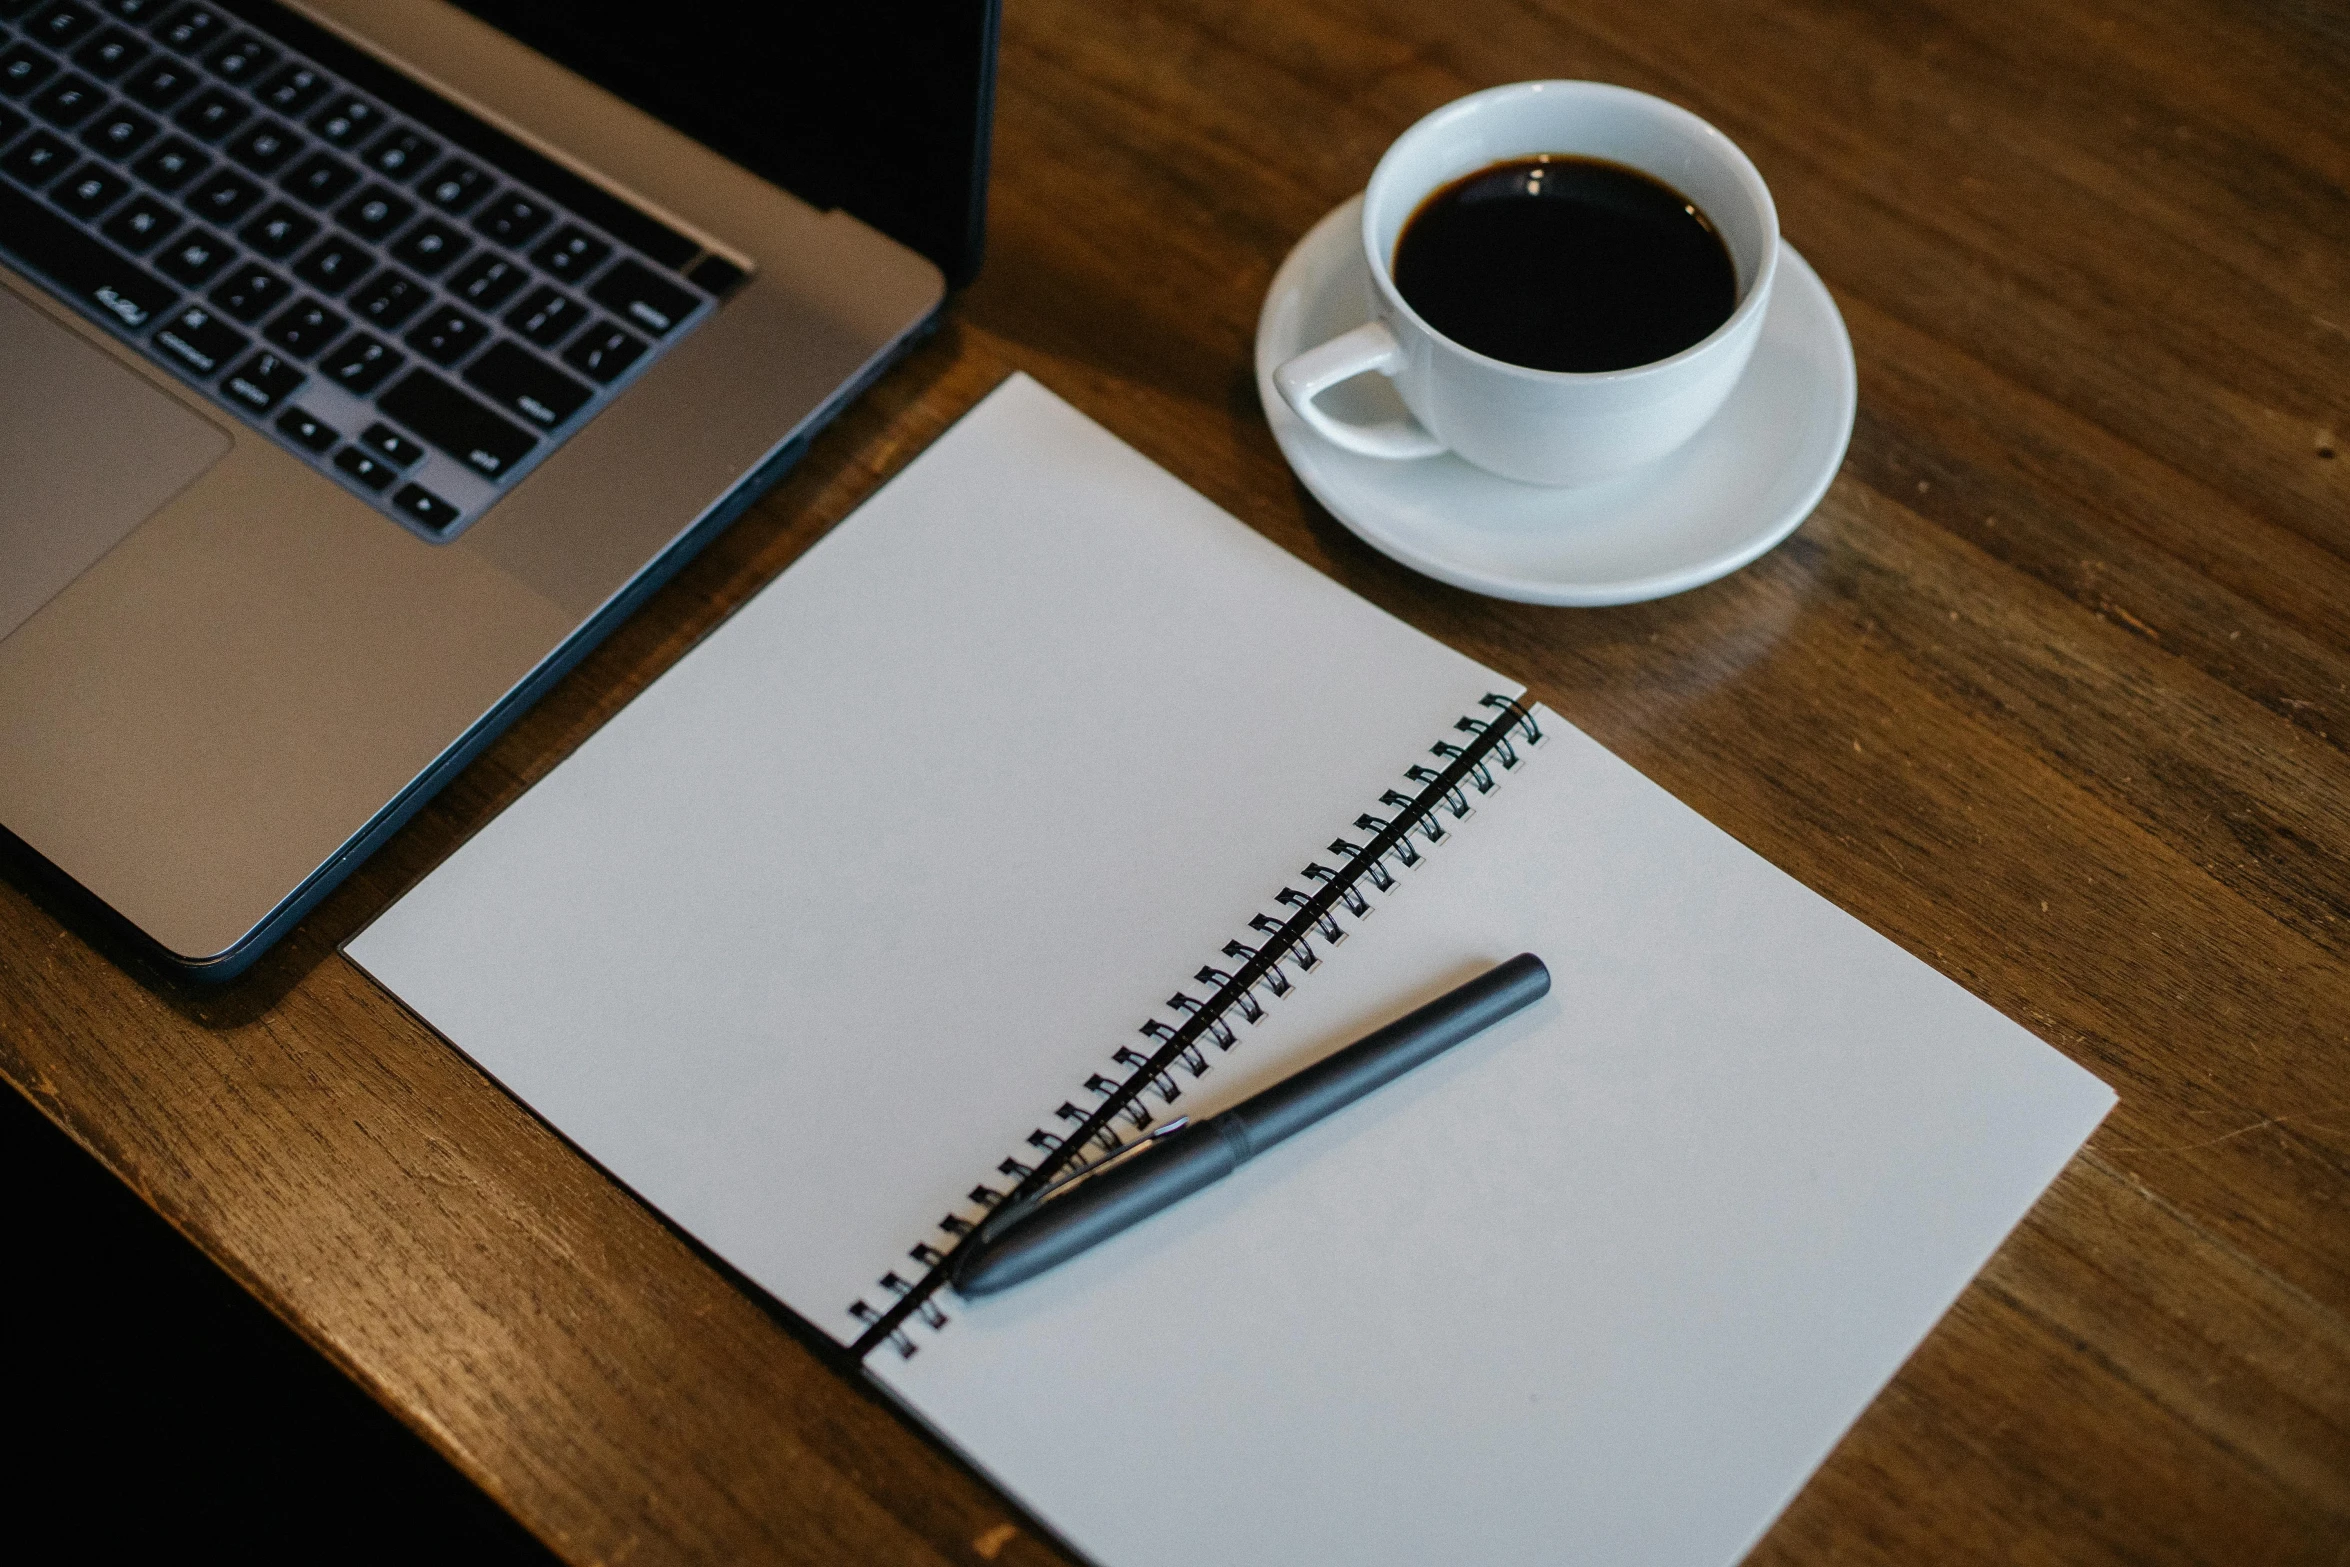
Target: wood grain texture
2053 690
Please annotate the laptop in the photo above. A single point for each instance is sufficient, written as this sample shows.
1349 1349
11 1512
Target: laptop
364 362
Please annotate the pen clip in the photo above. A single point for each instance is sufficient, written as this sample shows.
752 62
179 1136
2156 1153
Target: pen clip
1099 1165
1011 1214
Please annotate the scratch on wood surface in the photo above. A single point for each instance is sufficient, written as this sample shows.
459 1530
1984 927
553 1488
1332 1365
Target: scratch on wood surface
2213 1142
991 1544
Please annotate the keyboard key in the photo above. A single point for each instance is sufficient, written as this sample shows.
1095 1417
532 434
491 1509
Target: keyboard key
226 196
68 101
138 12
110 52
445 417
636 293
192 29
347 122
389 298
546 317
142 224
455 186
602 352
61 24
515 378
361 363
163 82
90 190
212 114
571 254
374 213
172 164
305 328
365 467
266 148
195 257
334 264
23 68
430 246
263 381
294 89
279 231
391 445
320 180
13 121
119 132
426 507
513 218
82 267
251 292
38 159
401 155
447 335
488 280
307 431
199 340
242 59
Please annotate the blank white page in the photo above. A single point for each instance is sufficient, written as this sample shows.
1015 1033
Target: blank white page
1603 1285
814 932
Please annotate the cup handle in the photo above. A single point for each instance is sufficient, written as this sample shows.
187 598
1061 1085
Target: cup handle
1369 347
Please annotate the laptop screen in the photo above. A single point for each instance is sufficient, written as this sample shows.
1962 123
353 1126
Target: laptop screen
879 106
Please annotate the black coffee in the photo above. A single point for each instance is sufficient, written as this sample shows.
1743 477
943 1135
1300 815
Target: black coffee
1566 263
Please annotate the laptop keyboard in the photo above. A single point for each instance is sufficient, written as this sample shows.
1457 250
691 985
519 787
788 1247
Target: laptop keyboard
401 295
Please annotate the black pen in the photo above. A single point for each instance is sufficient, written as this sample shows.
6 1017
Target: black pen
1172 1163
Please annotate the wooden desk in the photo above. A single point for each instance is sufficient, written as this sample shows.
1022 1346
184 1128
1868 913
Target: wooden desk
2054 690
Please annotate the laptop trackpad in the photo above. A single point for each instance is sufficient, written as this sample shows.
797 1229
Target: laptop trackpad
87 452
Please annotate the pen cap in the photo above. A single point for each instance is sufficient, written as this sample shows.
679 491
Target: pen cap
1380 1057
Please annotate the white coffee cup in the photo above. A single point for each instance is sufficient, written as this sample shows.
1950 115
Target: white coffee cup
1554 427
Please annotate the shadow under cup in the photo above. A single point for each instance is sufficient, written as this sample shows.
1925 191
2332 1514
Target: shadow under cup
1555 427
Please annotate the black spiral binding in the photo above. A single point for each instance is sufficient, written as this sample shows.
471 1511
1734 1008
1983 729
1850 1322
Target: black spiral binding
1049 1155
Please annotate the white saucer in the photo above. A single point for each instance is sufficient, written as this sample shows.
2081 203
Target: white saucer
1735 490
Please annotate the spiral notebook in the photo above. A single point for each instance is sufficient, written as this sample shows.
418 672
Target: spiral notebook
1042 801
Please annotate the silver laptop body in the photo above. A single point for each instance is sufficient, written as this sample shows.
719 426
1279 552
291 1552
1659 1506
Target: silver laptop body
227 668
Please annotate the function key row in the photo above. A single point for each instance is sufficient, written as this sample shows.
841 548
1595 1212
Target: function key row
109 51
396 152
293 86
291 65
211 113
